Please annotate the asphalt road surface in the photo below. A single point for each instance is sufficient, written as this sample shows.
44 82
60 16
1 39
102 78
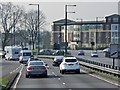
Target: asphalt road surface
7 66
57 80
101 57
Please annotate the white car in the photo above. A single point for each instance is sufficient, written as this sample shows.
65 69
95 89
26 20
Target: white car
69 64
94 54
106 50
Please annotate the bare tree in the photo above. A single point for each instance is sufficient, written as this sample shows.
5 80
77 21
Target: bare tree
31 21
10 16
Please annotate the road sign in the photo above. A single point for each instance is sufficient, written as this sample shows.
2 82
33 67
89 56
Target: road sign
114 50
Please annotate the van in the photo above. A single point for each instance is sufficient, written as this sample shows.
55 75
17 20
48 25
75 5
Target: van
25 55
12 52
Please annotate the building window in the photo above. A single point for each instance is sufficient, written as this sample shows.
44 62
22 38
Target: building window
84 37
107 27
115 19
98 37
114 27
109 19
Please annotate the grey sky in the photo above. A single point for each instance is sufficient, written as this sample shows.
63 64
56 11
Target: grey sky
85 10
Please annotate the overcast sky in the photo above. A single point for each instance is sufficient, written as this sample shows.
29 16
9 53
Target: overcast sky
54 10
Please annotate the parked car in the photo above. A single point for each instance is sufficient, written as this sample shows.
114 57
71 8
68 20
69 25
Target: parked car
94 54
61 52
106 50
57 60
58 52
46 51
81 52
69 64
36 68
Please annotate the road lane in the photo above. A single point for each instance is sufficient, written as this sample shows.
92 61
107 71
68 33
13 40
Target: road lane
50 82
8 66
101 58
57 80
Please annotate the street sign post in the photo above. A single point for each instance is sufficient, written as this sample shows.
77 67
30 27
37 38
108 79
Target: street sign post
114 52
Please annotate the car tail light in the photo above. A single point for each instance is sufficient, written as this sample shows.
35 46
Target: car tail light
64 63
43 68
77 62
29 68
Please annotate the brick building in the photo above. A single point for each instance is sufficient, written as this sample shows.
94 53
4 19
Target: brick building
81 34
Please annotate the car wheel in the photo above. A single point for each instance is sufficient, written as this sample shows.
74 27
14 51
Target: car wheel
27 76
62 71
45 75
78 71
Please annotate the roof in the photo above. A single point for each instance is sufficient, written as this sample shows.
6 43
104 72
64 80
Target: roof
25 51
70 57
113 15
62 22
71 22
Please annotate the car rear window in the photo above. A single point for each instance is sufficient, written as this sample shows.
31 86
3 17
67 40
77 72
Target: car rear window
36 63
70 60
26 54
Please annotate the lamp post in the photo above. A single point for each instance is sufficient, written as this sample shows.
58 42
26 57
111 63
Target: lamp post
14 28
66 27
38 25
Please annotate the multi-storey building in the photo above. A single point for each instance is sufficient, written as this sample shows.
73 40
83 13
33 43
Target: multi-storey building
81 34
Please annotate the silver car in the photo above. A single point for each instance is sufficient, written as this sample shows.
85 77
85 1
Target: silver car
36 68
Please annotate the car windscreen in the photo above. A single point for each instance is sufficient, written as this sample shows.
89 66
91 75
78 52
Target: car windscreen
94 52
27 54
70 60
36 63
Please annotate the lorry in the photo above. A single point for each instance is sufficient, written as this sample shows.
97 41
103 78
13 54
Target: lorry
12 52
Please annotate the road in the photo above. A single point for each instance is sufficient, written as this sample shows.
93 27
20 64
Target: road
101 57
8 66
57 80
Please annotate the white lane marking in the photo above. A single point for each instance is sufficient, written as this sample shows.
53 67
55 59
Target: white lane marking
102 79
63 83
15 70
20 73
53 72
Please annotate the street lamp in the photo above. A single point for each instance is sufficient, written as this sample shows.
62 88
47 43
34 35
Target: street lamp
14 27
38 24
66 26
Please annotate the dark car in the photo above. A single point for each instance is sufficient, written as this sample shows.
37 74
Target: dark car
36 68
46 52
57 60
81 52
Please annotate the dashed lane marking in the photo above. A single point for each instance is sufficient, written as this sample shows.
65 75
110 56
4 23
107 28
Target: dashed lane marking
17 80
103 79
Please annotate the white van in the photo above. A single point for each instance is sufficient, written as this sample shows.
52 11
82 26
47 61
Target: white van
12 52
25 55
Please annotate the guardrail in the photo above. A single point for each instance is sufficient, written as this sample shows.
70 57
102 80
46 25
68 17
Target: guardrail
95 66
100 64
